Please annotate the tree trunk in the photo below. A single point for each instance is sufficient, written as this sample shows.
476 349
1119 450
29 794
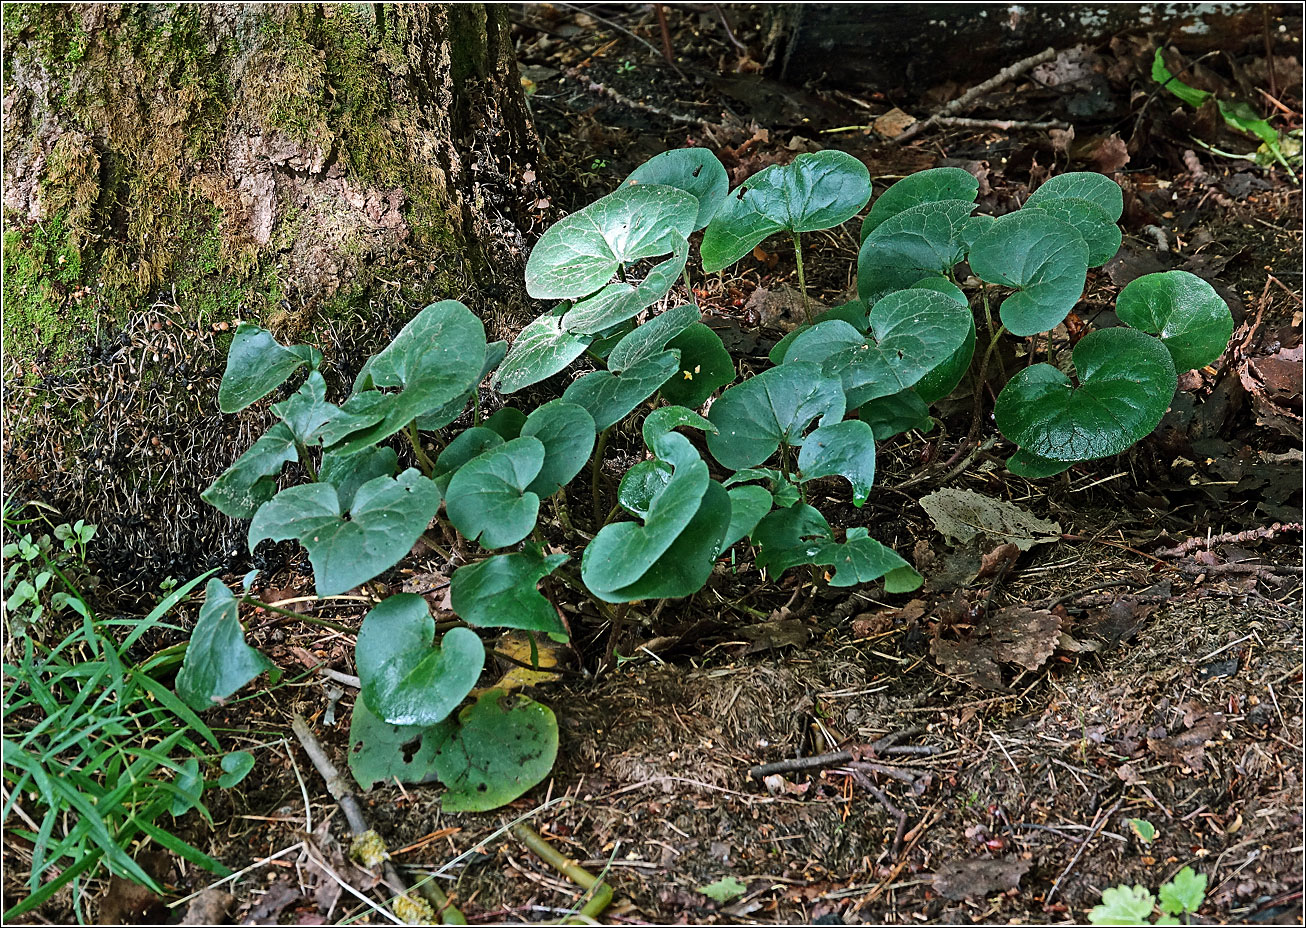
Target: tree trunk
324 170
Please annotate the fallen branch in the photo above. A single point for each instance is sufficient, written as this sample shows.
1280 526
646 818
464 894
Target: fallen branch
966 99
369 843
968 123
1253 534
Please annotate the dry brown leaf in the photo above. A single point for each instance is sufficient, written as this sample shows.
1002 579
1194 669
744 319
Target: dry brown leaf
1020 635
894 123
979 876
1111 154
963 515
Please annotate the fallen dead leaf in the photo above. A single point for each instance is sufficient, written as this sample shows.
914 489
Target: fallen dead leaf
963 515
893 123
979 876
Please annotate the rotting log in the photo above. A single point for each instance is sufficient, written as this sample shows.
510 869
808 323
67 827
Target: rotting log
321 169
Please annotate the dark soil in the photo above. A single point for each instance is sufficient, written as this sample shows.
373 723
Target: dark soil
1171 691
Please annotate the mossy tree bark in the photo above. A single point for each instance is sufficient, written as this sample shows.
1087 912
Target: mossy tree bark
322 169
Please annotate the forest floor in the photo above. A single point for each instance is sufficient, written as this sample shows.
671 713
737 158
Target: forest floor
1166 690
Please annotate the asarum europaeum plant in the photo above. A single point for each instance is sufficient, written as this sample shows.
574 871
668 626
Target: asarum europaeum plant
860 372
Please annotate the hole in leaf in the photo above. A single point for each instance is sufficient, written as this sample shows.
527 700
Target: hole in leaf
410 749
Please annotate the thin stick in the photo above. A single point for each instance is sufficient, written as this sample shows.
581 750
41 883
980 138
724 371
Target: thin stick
339 789
967 123
959 104
1097 826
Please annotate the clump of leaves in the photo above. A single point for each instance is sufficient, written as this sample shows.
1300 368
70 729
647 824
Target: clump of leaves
1182 895
30 590
739 474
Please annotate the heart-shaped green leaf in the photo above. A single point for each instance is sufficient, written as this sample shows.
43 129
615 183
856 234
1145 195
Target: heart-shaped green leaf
610 397
665 418
503 745
754 417
784 493
928 240
748 504
442 416
943 379
623 300
252 480
788 537
854 313
348 472
567 433
189 787
235 767
912 332
650 338
501 591
705 367
309 416
218 661
687 563
1126 382
1043 257
581 253
469 443
388 514
382 753
405 679
816 191
862 559
641 485
256 365
1032 467
506 422
897 413
922 187
342 434
623 552
1190 318
1097 189
696 171
541 350
1100 234
843 448
607 340
488 499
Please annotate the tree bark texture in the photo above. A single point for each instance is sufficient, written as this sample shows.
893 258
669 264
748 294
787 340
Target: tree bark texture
321 169
909 48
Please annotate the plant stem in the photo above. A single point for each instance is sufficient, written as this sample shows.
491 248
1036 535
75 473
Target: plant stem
601 892
427 465
311 620
596 475
621 273
684 275
307 461
802 279
436 546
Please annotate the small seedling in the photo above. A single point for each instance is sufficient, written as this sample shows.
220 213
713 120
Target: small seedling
1125 905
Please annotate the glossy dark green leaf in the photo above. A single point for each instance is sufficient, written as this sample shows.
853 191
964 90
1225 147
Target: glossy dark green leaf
1043 257
853 313
641 485
623 552
503 745
1126 382
500 591
789 537
343 435
610 397
1097 189
665 418
816 191
929 186
506 422
405 678
862 559
705 367
252 480
696 171
580 254
567 433
487 498
218 661
846 449
928 240
1032 467
754 417
189 785
748 504
685 566
387 516
235 767
309 416
608 339
383 753
1100 233
256 365
943 379
912 332
348 472
625 299
443 415
1184 311
468 444
651 337
541 350
897 413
